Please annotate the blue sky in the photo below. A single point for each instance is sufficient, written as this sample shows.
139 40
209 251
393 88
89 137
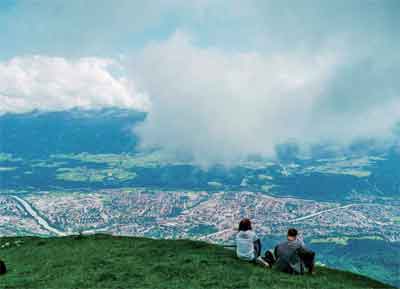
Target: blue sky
104 28
75 28
307 71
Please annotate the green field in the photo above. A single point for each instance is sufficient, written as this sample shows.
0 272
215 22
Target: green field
83 174
343 240
103 261
149 160
396 220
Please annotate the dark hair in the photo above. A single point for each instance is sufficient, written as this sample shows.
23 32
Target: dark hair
292 232
245 225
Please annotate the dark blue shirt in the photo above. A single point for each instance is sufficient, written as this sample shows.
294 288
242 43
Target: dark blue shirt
287 258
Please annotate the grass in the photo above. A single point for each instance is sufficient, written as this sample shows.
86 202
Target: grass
8 158
148 160
83 174
6 169
343 240
396 220
103 261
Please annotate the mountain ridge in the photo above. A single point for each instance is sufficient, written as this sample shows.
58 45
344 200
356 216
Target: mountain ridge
105 261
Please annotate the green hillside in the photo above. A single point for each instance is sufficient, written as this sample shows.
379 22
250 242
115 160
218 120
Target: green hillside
103 261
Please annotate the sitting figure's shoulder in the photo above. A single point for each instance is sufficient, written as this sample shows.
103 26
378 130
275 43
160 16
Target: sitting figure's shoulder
249 234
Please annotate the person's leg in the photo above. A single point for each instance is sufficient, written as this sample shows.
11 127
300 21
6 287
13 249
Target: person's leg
257 248
257 253
276 252
310 263
269 257
308 260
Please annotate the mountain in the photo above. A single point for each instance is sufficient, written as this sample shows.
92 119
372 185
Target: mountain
104 261
39 134
80 171
65 134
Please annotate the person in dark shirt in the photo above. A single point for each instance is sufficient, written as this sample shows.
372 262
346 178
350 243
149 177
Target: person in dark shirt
292 256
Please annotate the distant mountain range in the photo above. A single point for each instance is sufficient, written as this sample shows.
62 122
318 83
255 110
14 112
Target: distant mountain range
39 134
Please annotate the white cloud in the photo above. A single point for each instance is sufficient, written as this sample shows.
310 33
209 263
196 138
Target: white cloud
220 107
55 83
215 105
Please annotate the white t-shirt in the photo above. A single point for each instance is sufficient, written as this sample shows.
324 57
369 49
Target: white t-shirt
245 245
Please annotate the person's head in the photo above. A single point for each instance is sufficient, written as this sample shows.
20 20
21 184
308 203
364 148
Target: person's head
245 225
292 234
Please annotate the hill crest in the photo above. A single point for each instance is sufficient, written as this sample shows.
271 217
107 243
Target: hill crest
103 261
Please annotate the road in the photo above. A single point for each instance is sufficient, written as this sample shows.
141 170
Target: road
37 217
231 230
319 213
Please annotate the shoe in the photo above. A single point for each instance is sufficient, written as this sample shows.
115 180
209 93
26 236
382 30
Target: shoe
262 262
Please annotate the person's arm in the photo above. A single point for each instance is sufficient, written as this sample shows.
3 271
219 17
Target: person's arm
257 244
299 241
257 247
255 237
304 252
276 251
307 256
302 246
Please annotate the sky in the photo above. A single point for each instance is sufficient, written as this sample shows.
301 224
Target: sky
220 80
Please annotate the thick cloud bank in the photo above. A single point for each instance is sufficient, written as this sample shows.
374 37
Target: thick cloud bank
259 73
216 106
55 83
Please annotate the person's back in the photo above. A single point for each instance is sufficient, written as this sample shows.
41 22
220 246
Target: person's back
287 258
292 256
248 246
245 245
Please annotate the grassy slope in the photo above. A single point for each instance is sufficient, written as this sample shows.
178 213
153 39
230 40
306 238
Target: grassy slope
103 261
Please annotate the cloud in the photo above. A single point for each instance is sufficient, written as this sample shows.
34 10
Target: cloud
55 83
105 28
218 106
256 73
78 28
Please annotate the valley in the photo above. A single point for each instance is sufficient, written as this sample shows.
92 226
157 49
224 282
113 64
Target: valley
346 205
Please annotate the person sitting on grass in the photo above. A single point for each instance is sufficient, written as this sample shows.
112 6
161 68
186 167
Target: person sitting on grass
248 245
292 256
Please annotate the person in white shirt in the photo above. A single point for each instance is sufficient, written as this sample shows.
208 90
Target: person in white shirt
248 245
